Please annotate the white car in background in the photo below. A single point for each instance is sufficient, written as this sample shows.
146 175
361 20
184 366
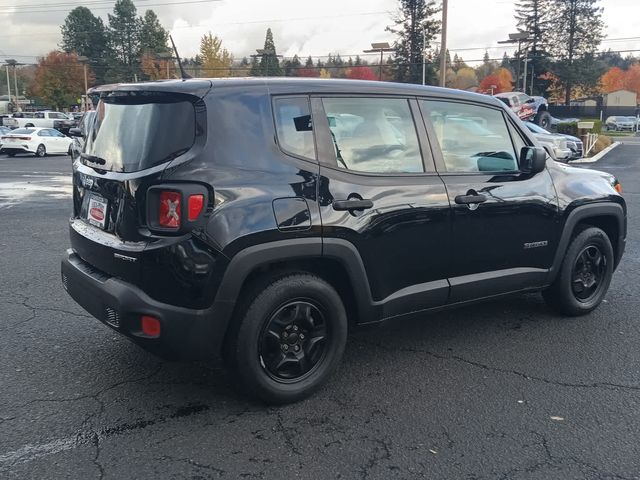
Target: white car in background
555 145
39 141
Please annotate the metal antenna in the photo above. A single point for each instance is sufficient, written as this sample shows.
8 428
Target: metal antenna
183 74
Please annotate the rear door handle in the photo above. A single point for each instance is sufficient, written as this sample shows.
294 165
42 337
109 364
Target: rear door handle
352 204
469 199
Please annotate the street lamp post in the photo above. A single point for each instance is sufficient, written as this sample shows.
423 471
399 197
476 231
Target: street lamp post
8 82
519 38
84 60
381 47
14 64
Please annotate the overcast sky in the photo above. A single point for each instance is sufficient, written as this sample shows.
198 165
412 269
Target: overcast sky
303 27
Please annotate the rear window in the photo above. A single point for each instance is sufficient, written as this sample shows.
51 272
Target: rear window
23 131
137 130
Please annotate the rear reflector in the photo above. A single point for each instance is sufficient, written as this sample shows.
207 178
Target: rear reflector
196 202
150 326
170 208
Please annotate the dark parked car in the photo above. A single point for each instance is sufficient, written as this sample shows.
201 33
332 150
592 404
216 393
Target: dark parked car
79 133
279 213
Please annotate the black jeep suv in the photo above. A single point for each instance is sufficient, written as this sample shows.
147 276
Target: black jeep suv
262 218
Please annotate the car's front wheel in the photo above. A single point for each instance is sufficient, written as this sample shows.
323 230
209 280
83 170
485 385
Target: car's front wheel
288 338
585 274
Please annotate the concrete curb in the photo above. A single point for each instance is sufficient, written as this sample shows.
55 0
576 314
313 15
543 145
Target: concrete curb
598 156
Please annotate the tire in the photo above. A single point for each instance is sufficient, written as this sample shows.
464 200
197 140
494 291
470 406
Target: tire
28 125
70 151
11 155
294 317
572 292
41 151
543 119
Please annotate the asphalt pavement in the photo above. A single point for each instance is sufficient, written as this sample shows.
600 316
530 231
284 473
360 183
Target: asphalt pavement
503 390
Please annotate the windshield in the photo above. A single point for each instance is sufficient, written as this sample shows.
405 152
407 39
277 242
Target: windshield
536 129
134 131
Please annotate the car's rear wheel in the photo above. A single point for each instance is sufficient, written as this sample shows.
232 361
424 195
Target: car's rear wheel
287 339
585 274
41 151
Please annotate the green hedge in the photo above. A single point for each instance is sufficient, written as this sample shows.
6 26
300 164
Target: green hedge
572 127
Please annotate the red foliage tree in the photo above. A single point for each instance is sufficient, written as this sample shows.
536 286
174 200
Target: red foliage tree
613 80
362 73
500 81
307 72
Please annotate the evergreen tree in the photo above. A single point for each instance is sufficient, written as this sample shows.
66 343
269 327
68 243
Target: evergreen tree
458 63
309 62
535 18
153 37
574 37
85 34
292 66
124 37
269 65
414 21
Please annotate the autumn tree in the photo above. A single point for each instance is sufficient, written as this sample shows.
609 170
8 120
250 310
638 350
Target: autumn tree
632 79
498 82
465 78
59 79
216 60
362 73
155 68
574 36
414 23
613 80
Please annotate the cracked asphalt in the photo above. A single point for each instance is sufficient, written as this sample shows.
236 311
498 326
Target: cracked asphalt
504 390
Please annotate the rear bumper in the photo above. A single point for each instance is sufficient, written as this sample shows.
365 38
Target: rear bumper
186 334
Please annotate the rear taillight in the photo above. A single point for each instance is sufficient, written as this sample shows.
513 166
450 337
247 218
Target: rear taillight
176 207
196 204
28 139
170 209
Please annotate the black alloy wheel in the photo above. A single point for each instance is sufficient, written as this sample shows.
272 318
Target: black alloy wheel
293 342
588 272
287 337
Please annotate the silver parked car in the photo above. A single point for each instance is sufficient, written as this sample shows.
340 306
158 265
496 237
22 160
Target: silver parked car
619 123
555 144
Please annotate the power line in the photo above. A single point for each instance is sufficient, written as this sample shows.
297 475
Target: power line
49 10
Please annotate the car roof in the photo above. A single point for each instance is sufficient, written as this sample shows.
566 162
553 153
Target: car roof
279 85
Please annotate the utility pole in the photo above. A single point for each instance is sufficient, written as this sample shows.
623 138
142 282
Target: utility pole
424 55
443 46
84 61
14 64
524 80
381 47
8 82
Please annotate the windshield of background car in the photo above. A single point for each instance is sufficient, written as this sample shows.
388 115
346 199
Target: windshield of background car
22 131
137 130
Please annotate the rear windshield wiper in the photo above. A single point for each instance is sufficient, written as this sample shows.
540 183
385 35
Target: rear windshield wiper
93 159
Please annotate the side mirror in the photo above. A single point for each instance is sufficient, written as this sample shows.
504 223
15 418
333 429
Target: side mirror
75 132
532 159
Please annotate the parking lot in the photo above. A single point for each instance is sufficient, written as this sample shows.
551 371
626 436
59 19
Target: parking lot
503 390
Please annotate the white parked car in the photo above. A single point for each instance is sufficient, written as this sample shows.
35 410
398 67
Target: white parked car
39 141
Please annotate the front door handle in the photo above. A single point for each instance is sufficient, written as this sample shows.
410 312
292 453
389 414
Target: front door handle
470 199
352 204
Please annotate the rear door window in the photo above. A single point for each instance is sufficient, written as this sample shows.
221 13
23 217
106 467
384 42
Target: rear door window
375 135
138 130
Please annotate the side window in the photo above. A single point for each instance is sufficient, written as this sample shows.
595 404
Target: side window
44 133
472 138
38 115
293 126
56 133
375 135
518 141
